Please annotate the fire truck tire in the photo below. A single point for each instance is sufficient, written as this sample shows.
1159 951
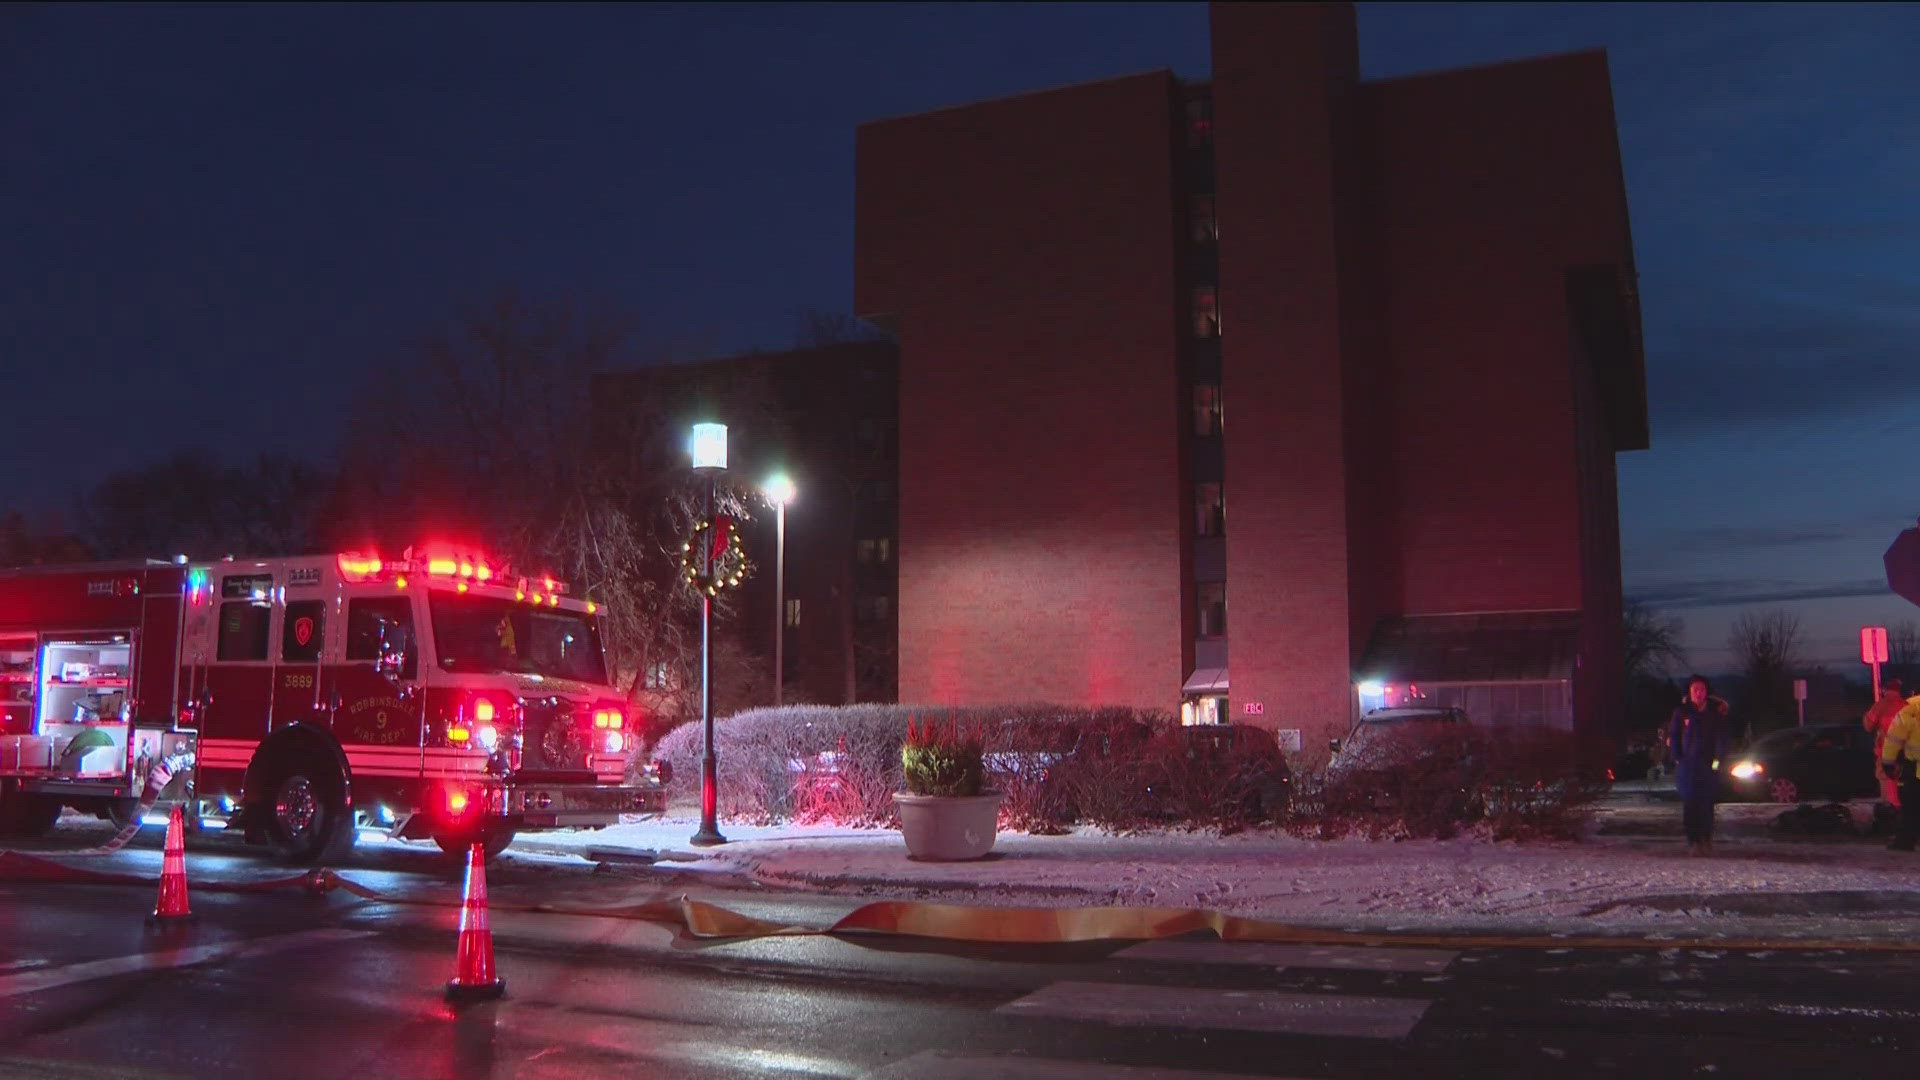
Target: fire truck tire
307 820
458 843
27 815
121 811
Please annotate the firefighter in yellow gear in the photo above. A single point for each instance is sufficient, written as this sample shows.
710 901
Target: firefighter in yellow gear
1899 757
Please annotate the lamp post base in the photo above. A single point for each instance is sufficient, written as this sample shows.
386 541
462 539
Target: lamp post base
708 836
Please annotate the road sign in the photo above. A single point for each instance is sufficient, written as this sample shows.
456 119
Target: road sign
1873 644
1903 565
1799 689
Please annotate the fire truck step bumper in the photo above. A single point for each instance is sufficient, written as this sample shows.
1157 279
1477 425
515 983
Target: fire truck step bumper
554 807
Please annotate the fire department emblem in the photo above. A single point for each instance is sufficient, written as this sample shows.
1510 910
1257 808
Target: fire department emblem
303 630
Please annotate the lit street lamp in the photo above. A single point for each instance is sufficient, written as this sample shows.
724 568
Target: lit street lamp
780 493
708 448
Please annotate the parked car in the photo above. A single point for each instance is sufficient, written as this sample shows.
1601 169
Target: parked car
1379 752
1378 738
1241 760
1795 764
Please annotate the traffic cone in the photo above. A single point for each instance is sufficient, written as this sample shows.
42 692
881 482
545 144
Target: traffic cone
473 975
172 906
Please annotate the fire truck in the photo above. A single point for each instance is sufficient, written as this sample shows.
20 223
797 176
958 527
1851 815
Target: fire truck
302 699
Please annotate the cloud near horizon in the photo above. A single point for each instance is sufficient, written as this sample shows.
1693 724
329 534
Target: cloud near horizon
1734 592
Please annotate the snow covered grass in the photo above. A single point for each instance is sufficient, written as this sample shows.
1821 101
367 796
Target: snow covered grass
1752 885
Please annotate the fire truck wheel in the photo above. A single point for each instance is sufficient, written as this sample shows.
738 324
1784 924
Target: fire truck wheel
458 843
122 811
307 818
27 815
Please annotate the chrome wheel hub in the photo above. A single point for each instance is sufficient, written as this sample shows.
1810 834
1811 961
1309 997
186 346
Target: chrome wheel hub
295 806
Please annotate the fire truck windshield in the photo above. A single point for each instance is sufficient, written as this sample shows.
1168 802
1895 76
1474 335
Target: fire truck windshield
477 633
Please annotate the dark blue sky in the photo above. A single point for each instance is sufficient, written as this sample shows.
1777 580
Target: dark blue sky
220 222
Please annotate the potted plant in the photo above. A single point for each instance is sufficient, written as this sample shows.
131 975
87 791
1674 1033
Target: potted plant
944 814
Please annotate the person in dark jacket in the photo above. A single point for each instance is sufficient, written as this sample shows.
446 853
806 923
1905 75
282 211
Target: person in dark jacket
1698 736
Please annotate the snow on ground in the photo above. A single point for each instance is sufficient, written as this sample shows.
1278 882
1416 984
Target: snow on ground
1754 883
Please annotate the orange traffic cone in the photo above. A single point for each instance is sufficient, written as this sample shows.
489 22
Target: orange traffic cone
473 975
172 906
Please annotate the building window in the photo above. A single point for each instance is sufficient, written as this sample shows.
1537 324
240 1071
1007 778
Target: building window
1213 609
793 613
1210 511
1207 413
878 550
658 676
1206 312
1206 224
1199 122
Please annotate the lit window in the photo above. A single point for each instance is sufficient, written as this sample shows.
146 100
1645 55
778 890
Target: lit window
1213 609
1210 511
883 549
1206 312
864 550
1207 412
658 677
793 613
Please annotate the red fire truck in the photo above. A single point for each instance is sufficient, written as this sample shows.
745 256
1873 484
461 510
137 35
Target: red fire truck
304 698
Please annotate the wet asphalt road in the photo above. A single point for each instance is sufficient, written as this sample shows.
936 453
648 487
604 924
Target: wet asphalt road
289 984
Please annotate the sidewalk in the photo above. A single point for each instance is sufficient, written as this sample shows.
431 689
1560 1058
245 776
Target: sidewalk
1632 876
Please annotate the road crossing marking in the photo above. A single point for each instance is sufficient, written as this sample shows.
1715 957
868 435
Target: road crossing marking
1343 957
1267 1011
940 1065
27 982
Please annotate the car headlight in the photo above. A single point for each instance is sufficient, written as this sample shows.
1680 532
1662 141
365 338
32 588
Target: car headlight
1746 770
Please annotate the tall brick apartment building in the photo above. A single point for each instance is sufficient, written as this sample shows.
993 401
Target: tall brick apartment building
1412 298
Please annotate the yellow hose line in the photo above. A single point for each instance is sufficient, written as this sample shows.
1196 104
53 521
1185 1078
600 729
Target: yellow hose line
986 925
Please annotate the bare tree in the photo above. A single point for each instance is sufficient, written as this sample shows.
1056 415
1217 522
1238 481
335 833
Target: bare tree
494 442
1903 650
1653 649
189 503
1768 646
23 545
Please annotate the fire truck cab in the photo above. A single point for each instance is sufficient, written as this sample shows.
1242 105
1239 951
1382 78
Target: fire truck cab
428 696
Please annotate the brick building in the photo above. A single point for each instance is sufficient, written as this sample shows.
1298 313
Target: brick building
1415 299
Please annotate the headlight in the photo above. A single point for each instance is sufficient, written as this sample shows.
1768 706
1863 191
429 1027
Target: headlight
616 742
488 737
1746 770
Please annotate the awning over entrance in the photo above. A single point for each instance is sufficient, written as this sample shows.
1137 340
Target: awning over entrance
1205 681
1529 646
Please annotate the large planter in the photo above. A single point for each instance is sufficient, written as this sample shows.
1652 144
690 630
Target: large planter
949 828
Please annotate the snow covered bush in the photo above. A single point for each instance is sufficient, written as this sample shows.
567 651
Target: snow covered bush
843 764
1434 780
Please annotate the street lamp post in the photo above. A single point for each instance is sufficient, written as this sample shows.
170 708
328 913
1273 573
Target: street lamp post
709 451
780 493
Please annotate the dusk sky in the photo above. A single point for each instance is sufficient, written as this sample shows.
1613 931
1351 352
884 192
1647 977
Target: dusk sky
220 223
